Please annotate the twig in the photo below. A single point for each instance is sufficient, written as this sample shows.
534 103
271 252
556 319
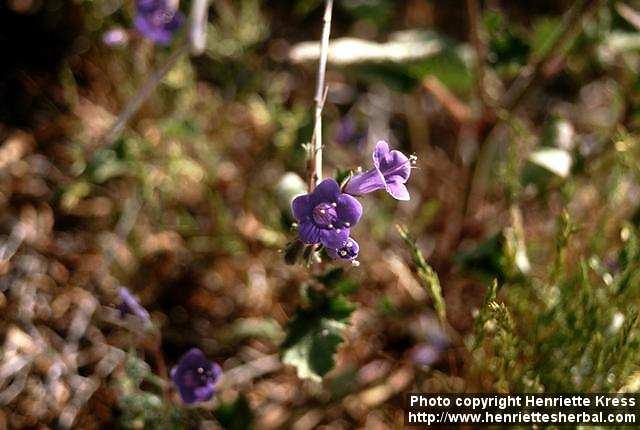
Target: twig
531 72
316 140
473 10
629 14
143 93
458 110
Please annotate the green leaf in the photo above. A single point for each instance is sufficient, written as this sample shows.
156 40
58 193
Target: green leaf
236 415
314 334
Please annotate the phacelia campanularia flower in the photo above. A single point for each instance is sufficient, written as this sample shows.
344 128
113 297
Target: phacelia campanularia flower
326 215
196 377
349 251
129 305
158 20
391 171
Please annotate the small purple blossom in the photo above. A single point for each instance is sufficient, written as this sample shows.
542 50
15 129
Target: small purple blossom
391 172
129 305
425 354
349 251
115 37
195 376
348 133
326 215
158 20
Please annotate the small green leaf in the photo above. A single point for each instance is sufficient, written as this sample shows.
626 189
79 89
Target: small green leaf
314 334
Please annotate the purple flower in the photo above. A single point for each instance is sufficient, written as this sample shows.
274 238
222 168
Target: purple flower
326 215
424 354
391 172
195 376
158 20
347 252
348 133
130 305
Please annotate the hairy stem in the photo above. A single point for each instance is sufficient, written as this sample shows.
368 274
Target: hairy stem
315 164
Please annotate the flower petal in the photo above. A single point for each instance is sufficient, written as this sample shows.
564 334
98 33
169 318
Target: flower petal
193 358
302 207
365 183
327 191
380 153
204 393
396 167
349 210
398 191
348 252
334 238
309 233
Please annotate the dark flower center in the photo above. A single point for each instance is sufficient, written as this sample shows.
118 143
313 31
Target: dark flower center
325 215
198 377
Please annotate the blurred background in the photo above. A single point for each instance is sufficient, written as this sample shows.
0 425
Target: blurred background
524 202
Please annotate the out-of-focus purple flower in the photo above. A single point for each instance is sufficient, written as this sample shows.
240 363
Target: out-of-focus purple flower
391 172
425 354
326 215
116 37
130 305
195 376
347 133
348 252
158 20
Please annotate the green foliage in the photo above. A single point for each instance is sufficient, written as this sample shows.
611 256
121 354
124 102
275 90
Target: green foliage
141 408
448 65
427 275
315 330
576 331
236 415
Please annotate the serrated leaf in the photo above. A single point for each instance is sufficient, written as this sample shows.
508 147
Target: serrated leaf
314 334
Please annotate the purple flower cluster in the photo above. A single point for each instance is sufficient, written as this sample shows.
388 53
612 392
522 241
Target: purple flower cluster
195 376
158 20
325 216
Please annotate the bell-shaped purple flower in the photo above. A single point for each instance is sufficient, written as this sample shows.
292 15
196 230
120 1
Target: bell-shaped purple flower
391 172
195 376
349 251
158 20
129 305
326 215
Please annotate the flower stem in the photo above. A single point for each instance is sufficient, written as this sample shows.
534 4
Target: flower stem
315 164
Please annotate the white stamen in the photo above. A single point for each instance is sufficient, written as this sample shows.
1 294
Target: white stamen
337 230
334 204
322 211
330 226
347 224
343 253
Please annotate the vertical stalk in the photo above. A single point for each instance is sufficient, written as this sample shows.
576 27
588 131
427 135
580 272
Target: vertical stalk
315 164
